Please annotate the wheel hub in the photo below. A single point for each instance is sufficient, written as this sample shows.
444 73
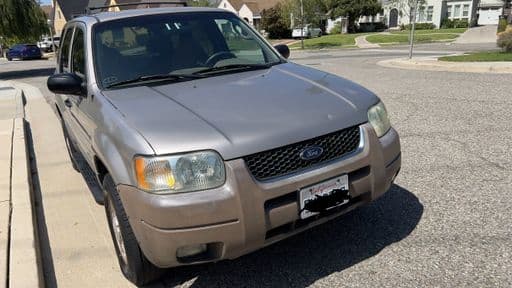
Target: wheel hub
117 234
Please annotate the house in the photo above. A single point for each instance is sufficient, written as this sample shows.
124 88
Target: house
481 12
249 10
490 11
47 9
65 10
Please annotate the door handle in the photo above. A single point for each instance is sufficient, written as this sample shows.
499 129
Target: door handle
68 103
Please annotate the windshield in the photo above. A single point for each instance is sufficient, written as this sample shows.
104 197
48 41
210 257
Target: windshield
177 43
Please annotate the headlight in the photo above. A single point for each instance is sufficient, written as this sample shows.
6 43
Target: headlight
378 118
180 173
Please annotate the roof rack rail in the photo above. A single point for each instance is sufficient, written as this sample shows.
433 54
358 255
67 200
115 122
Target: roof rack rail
89 10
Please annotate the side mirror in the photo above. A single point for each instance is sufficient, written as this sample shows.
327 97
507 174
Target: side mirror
283 50
65 83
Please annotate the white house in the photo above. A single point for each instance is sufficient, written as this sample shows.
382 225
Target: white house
482 12
249 10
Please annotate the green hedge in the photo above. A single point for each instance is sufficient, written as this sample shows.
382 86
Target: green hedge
456 23
419 26
505 41
502 25
371 27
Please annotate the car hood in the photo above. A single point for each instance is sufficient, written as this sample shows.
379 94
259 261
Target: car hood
243 113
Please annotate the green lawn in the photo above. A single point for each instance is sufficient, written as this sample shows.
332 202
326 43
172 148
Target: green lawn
404 38
348 40
479 57
338 40
453 30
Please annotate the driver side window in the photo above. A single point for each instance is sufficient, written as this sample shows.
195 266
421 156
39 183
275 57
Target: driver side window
64 50
78 54
240 41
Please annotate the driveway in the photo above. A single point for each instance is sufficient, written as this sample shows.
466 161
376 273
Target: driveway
445 223
482 34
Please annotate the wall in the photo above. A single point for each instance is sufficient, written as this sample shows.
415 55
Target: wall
246 14
58 19
224 4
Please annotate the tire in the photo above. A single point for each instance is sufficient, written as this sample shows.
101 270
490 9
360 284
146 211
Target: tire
134 265
9 59
72 151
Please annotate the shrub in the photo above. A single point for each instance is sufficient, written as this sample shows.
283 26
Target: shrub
336 29
371 27
505 41
273 23
502 25
419 26
455 23
460 23
446 23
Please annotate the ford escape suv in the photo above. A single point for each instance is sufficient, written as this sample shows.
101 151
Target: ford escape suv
205 141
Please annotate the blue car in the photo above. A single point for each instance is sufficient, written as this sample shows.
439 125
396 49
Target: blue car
24 51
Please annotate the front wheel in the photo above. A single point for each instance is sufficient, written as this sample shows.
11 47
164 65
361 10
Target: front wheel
132 261
72 151
9 59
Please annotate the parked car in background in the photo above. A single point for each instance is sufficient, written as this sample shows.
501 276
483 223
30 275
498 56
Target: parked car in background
24 52
46 43
307 32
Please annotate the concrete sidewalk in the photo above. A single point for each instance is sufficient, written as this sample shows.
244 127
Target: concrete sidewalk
77 246
482 34
432 64
19 258
361 42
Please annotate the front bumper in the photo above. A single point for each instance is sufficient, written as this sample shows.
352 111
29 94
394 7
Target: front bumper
244 214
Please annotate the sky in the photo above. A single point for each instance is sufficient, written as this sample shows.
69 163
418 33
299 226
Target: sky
45 2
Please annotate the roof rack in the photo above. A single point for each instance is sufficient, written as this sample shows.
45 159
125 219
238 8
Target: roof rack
89 10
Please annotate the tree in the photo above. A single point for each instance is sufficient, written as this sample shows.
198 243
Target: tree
353 9
314 12
274 24
199 3
22 20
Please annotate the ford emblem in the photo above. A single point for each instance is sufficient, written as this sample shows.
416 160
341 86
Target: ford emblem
311 153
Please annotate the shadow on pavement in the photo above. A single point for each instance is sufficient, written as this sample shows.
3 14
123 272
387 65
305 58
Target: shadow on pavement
305 258
22 74
43 243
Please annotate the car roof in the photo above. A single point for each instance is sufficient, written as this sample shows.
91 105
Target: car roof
108 16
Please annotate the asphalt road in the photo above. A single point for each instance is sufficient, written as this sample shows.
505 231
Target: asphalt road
446 222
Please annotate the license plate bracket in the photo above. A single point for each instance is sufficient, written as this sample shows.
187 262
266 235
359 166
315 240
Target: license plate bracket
323 196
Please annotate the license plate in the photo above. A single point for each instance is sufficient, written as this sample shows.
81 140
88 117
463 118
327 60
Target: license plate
324 196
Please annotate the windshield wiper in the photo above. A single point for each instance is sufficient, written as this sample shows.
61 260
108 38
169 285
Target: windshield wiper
156 77
234 67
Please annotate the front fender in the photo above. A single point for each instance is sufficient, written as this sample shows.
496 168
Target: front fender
116 143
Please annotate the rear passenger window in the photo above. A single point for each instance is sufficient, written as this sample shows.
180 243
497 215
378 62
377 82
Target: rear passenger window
78 53
64 51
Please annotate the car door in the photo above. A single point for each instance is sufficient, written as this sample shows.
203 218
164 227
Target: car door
81 105
63 101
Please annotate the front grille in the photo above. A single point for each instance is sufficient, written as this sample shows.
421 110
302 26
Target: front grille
285 160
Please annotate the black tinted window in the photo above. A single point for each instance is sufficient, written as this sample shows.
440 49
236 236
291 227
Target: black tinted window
78 53
178 43
64 51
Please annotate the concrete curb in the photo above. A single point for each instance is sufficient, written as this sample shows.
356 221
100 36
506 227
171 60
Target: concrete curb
432 64
23 269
